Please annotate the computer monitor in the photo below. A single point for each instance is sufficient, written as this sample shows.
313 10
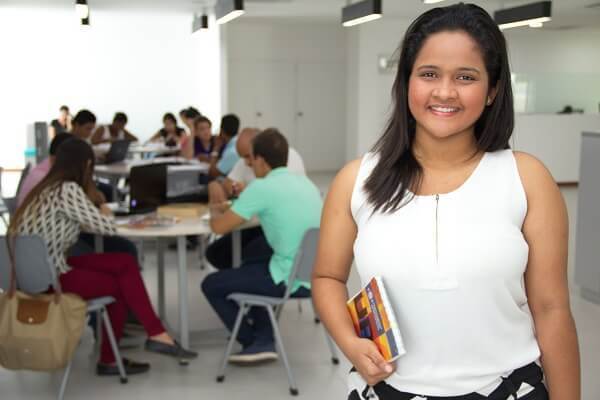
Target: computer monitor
148 188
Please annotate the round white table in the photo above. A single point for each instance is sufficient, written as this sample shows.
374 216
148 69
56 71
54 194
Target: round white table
186 227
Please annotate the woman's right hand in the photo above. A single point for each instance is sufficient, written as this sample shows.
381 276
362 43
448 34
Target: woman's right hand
368 361
105 210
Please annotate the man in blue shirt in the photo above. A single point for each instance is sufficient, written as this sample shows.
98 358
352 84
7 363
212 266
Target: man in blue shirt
222 163
287 205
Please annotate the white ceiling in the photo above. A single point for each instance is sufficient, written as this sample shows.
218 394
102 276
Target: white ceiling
566 13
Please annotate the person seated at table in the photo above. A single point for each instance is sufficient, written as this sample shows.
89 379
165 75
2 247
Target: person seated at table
113 132
61 124
254 244
83 125
170 134
221 164
287 205
188 116
202 144
85 244
57 210
39 172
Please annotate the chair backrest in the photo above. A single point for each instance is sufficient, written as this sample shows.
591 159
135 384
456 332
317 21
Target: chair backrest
35 273
24 174
304 260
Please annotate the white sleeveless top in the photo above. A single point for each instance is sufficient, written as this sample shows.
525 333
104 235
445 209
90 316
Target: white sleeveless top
106 134
453 267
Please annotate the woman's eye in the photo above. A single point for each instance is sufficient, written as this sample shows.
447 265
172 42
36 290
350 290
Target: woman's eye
428 75
466 78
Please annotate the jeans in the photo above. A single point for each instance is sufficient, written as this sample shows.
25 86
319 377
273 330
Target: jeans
116 275
251 278
254 248
112 244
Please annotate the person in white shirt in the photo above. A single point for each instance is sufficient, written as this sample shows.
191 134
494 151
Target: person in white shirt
242 174
254 244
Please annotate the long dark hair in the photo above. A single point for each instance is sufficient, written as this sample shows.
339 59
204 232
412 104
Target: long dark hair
74 163
398 171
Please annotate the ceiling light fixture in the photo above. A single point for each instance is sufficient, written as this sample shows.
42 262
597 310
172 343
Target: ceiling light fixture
228 10
361 12
432 1
534 15
199 23
82 9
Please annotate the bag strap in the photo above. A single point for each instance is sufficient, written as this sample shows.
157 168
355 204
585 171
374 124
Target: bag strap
10 244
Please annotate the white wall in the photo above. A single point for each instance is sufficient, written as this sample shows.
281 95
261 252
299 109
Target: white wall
373 92
144 64
567 55
291 74
555 140
560 67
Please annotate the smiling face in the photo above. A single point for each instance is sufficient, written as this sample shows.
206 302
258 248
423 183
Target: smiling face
448 87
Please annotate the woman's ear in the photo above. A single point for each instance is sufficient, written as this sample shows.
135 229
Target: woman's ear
491 96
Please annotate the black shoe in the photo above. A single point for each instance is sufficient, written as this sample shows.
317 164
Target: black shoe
131 368
173 350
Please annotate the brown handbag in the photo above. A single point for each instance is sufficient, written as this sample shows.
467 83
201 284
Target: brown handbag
39 332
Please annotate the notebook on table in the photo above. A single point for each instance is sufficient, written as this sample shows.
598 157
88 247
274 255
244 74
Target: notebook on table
373 318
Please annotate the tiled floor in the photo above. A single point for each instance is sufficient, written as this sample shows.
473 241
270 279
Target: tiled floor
317 378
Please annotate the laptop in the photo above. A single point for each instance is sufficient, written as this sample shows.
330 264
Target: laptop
147 189
117 152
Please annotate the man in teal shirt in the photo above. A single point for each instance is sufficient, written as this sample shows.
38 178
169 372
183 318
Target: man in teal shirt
287 205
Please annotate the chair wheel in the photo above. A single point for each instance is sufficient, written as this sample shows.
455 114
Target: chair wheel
220 378
184 363
335 361
317 321
294 392
124 380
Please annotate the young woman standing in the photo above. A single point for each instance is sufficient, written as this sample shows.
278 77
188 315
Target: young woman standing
469 237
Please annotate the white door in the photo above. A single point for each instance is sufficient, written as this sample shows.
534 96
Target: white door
320 115
262 93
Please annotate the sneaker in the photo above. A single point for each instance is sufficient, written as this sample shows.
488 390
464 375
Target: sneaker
255 353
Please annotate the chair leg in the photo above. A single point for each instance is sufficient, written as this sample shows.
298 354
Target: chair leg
317 320
114 345
334 357
98 332
65 379
299 306
233 336
281 351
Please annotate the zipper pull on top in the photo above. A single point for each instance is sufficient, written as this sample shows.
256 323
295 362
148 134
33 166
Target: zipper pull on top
437 203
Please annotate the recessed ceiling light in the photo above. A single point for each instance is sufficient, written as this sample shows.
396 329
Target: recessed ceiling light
534 13
82 9
228 10
361 12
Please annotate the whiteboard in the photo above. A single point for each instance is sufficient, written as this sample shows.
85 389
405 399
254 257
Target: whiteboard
587 240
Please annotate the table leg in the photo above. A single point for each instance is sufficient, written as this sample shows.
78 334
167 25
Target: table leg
236 244
114 183
160 253
183 295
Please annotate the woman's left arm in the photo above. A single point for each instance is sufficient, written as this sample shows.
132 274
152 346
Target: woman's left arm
546 230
